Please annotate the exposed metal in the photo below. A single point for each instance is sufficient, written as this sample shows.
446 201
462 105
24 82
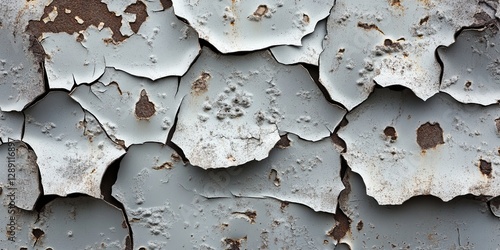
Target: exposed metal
404 147
80 223
132 110
11 126
248 25
391 43
81 56
20 174
72 149
312 46
21 57
420 223
471 66
285 175
185 219
236 106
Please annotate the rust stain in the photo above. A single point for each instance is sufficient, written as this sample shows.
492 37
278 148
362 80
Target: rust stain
305 18
390 132
429 135
201 84
342 226
396 3
234 244
261 10
139 9
485 167
176 157
75 16
166 4
284 142
251 215
424 20
371 26
284 204
359 226
166 165
144 109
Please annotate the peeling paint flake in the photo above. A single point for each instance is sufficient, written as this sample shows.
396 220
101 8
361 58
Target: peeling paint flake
235 108
312 46
472 66
420 223
81 54
303 172
72 149
20 174
388 44
164 214
442 148
131 110
82 223
249 25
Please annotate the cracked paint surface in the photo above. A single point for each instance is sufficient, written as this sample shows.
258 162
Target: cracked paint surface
439 147
158 124
243 106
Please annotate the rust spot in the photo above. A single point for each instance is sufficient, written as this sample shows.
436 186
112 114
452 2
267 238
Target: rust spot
342 226
390 132
273 176
261 10
429 135
37 233
359 226
251 215
234 244
124 224
424 20
305 18
200 85
284 142
139 9
396 3
224 225
166 4
166 165
388 42
176 157
371 26
485 167
497 124
144 109
468 84
91 12
284 204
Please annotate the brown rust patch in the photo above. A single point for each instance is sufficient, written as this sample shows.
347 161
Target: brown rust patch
251 215
166 165
283 142
234 244
166 4
485 167
283 205
175 157
396 3
144 109
305 18
75 16
201 84
371 26
390 132
429 135
261 10
359 226
342 226
139 9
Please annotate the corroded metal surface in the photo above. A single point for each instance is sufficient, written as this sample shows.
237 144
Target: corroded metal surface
405 147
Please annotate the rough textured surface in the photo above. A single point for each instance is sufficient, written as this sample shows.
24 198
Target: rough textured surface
443 148
185 219
72 149
390 43
235 108
248 25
